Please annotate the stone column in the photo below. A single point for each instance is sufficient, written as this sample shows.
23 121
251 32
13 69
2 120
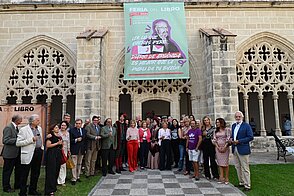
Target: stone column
290 100
261 116
64 102
245 98
90 85
221 83
175 106
276 109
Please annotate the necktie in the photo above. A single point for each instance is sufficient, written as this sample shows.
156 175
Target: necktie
97 130
17 129
81 132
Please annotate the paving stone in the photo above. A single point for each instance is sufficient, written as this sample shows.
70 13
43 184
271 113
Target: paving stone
121 192
209 190
107 186
138 192
173 191
139 186
188 185
204 185
156 192
122 186
191 191
154 180
140 181
171 185
103 192
110 181
151 176
124 181
226 190
155 186
170 180
140 177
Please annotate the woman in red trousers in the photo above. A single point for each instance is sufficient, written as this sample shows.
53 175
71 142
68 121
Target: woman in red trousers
132 145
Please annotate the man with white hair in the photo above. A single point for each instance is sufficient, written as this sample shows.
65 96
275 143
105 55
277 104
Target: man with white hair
241 135
30 141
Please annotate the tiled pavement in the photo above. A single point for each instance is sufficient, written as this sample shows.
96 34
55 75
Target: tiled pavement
155 182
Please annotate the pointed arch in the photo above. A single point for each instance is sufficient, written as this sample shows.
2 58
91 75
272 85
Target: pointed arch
34 59
265 59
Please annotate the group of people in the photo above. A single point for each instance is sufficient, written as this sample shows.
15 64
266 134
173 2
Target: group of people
157 143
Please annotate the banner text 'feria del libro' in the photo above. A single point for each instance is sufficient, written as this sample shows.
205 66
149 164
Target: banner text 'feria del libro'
156 45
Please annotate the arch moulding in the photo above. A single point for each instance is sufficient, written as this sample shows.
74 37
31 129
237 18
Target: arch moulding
19 50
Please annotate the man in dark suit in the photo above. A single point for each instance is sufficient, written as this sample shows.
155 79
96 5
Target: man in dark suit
93 145
77 149
108 146
11 155
242 134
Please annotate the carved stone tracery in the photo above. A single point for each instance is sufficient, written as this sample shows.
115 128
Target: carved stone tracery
168 86
42 70
265 67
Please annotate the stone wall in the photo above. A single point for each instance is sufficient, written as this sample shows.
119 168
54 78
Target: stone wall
64 22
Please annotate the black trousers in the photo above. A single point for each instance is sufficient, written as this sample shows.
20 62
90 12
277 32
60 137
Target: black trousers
165 151
144 149
175 149
9 165
187 162
209 154
34 167
107 155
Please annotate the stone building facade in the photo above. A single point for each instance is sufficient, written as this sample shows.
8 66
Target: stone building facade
70 55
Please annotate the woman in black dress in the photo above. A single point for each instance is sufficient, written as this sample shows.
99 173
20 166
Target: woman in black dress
53 159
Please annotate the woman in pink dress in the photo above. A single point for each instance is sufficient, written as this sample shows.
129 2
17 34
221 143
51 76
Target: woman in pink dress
221 138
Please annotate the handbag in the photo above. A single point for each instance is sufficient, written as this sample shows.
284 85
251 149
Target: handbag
63 157
69 163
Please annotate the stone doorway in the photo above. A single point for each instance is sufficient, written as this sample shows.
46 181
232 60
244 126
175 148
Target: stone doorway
155 107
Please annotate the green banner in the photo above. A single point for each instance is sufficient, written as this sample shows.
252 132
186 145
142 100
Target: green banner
156 44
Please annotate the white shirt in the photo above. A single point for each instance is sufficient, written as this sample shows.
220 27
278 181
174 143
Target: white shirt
165 133
238 125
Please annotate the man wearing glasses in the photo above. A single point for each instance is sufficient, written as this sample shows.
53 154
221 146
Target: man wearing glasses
77 149
241 135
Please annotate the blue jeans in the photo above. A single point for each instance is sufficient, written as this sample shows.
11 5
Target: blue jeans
182 154
287 132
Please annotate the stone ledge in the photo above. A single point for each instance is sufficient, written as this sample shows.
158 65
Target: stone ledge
90 34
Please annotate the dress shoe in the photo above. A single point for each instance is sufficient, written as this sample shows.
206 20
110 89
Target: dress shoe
122 169
9 190
118 171
87 176
34 193
79 180
111 172
247 189
104 174
73 182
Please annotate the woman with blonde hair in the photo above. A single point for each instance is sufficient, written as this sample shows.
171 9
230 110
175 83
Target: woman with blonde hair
133 139
208 148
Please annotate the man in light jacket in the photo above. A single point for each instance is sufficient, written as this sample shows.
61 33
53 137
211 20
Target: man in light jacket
30 140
